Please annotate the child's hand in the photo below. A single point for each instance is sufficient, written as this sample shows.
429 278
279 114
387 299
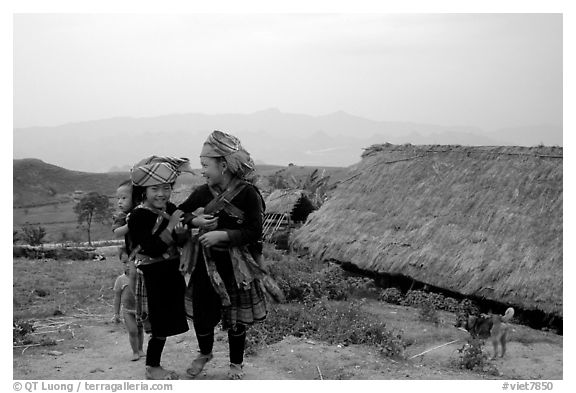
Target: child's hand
179 229
119 215
175 218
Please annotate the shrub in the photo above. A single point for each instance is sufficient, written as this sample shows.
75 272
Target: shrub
20 331
427 312
302 280
437 300
465 308
390 295
33 235
362 286
57 253
471 357
332 322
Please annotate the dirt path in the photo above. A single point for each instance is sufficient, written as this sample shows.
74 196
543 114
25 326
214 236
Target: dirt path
100 350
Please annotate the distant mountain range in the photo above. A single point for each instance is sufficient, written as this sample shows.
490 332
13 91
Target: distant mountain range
271 136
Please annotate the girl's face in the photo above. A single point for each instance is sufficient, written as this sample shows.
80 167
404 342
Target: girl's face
124 198
158 196
212 170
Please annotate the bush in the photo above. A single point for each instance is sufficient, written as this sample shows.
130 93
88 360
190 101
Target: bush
465 308
57 253
362 286
33 235
436 300
390 295
427 312
20 332
302 280
471 357
331 322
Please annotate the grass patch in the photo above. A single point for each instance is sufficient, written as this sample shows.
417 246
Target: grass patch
44 288
321 303
305 280
333 322
471 357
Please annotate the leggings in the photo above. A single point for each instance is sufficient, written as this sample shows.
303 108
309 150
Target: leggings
236 342
154 351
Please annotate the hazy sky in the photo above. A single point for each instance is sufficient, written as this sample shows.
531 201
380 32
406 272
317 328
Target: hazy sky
484 70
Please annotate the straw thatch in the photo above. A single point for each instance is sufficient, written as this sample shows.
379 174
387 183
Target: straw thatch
284 208
480 221
286 201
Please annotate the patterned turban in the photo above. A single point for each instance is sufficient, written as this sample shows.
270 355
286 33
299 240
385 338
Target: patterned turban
222 145
156 170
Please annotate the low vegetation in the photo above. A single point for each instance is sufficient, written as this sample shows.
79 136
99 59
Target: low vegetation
33 235
321 304
472 357
324 303
332 322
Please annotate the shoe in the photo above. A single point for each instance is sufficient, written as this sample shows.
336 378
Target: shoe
160 373
198 364
235 371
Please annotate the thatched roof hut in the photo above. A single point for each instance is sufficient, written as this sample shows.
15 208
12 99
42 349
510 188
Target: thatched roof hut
286 207
480 221
292 202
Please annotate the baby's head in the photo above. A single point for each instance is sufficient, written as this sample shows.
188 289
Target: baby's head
124 196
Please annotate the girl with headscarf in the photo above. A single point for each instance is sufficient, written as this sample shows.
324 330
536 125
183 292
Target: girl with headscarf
152 227
226 217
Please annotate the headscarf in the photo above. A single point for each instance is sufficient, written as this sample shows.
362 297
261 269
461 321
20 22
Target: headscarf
222 145
156 170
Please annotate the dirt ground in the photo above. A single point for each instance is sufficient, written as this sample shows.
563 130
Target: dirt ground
99 349
92 347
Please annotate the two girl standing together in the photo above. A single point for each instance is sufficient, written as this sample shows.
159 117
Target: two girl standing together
214 236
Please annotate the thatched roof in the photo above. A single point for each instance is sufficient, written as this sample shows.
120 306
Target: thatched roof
480 221
283 201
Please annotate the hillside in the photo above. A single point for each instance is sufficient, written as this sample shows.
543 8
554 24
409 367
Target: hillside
37 182
43 193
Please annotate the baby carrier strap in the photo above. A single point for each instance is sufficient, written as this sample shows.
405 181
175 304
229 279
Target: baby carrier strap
222 202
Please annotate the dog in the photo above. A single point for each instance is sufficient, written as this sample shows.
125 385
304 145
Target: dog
492 327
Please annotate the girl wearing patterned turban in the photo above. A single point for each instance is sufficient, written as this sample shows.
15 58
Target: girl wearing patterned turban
227 215
152 227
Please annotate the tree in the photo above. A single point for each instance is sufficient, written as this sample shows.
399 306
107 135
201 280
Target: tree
314 184
33 235
93 207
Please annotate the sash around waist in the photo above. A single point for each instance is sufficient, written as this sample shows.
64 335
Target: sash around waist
142 259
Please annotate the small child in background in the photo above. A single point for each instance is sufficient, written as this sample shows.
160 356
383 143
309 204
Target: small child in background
125 297
125 205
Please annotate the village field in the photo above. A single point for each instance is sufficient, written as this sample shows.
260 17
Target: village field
337 329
